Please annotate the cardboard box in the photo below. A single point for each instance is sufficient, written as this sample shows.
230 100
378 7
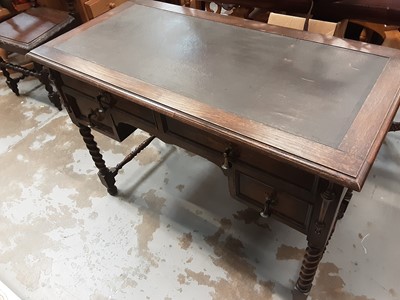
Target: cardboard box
315 26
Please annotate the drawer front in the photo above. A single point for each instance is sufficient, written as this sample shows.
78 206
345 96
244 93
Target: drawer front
107 113
95 8
198 141
86 110
196 136
292 203
242 154
282 202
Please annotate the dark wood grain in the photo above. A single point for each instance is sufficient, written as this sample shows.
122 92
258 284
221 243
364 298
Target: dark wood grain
282 145
290 85
25 31
29 29
343 165
299 179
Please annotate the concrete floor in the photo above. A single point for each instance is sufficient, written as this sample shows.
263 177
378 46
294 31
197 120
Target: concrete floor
173 232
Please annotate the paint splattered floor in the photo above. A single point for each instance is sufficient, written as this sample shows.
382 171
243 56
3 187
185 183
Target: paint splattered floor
173 232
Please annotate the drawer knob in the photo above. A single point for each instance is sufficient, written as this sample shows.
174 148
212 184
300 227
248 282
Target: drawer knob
96 115
105 102
226 165
269 202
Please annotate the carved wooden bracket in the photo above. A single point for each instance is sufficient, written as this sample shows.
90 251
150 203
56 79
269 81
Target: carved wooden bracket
327 197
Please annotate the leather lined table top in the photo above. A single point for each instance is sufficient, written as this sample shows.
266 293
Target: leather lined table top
320 104
305 88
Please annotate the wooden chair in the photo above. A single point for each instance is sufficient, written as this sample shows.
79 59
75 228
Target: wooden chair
25 31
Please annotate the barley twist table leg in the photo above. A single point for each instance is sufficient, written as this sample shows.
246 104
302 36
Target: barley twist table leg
322 226
105 175
310 264
11 82
44 77
309 268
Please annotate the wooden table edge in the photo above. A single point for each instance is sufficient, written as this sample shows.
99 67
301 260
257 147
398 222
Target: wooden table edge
348 180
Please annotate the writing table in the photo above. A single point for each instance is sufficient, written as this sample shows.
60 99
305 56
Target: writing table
295 120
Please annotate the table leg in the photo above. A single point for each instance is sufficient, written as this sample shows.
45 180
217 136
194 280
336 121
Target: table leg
345 204
105 175
395 126
322 226
11 82
43 76
309 268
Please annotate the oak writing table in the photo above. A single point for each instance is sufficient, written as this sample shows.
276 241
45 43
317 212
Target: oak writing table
295 120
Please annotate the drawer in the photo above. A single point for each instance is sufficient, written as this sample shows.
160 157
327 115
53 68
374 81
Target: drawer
208 142
123 110
278 169
195 135
89 105
287 203
198 141
95 8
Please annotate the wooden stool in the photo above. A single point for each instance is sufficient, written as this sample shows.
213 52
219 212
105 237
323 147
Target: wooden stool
24 32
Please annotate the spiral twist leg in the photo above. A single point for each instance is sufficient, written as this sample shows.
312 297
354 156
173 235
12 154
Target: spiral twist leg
41 73
309 268
11 82
105 175
43 76
395 126
311 261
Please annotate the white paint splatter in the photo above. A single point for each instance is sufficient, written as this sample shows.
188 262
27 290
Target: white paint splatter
41 140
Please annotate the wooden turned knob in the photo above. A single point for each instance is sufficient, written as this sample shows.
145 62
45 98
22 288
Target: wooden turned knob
111 5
